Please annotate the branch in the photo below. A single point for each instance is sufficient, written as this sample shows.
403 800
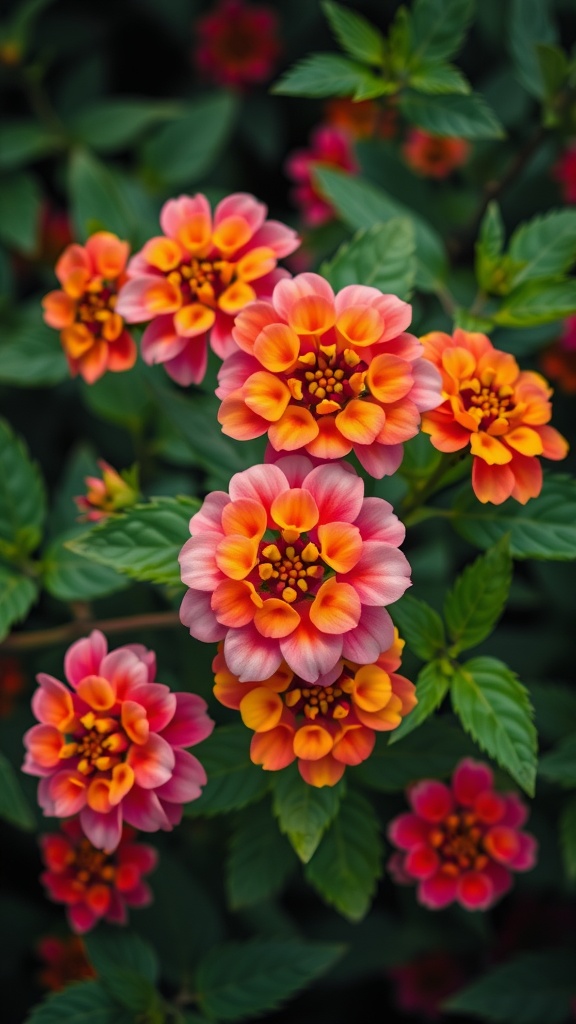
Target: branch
73 630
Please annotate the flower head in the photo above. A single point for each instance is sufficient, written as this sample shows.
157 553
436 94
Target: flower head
328 373
498 410
329 147
461 842
434 156
564 172
422 985
237 43
110 746
95 885
64 960
191 281
324 727
91 329
293 564
362 120
109 493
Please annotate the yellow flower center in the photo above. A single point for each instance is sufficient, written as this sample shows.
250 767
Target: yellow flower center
458 841
487 402
290 570
327 380
100 746
203 280
317 702
96 310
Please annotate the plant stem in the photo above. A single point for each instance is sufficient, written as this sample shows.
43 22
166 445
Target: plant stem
71 630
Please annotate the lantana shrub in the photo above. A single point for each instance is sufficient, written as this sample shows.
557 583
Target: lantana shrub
287 713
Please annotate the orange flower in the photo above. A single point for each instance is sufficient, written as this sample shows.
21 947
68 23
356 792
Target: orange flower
92 333
324 726
501 411
362 120
434 156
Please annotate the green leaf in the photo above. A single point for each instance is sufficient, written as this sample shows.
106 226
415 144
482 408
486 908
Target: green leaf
532 988
70 577
259 858
329 74
31 355
184 151
361 205
239 980
17 594
420 460
108 125
14 806
543 528
553 66
96 200
544 246
126 966
464 117
568 837
20 205
304 812
494 707
354 33
530 24
382 257
431 688
23 141
144 542
538 302
560 764
489 247
120 397
349 861
436 79
438 27
478 597
555 707
430 752
233 780
420 626
84 1003
22 497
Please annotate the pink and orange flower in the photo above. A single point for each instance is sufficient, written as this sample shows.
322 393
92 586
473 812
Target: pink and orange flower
293 564
329 147
237 43
328 373
434 156
323 727
461 842
110 493
85 312
191 281
109 748
93 884
498 410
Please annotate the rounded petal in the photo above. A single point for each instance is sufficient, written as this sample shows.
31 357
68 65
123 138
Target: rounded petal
373 634
234 602
528 478
251 656
336 608
431 800
274 749
312 742
146 297
295 509
492 483
277 347
376 521
438 891
324 772
407 831
259 483
379 459
236 556
84 657
52 702
261 709
103 830
142 809
266 395
475 890
186 781
67 791
329 442
470 779
190 723
59 309
421 862
360 421
341 545
338 494
44 743
152 762
308 652
276 618
381 575
196 613
354 744
295 429
389 378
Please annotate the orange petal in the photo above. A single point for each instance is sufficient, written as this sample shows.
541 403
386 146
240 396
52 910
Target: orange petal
389 378
266 395
459 363
236 297
325 772
372 688
98 692
109 254
236 556
341 545
193 320
122 782
295 429
328 443
277 347
354 745
336 607
59 309
498 368
554 446
276 618
196 233
312 742
525 440
163 253
244 517
256 263
76 340
134 721
360 422
234 602
295 510
112 327
274 749
98 796
492 451
162 297
492 483
45 744
238 421
231 234
312 314
261 709
360 325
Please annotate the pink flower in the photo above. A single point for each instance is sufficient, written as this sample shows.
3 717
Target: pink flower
293 563
111 748
564 172
461 842
238 43
95 885
190 282
329 147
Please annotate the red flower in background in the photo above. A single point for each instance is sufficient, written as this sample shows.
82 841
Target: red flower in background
95 885
12 683
461 842
362 120
237 43
64 960
422 985
434 156
564 172
559 360
329 147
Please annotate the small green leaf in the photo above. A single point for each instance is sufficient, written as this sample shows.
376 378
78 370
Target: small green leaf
437 79
233 780
478 597
23 141
530 25
126 966
354 33
20 205
70 577
494 707
239 980
560 764
532 988
544 246
464 117
17 595
381 257
420 626
96 200
489 248
22 497
84 1003
538 302
349 861
430 752
144 542
31 354
568 837
438 27
259 859
304 812
543 528
113 124
329 74
13 804
431 687
184 151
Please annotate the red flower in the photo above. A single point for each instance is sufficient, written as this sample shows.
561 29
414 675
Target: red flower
95 885
424 983
559 360
329 147
564 172
362 120
12 682
238 43
461 842
64 961
434 156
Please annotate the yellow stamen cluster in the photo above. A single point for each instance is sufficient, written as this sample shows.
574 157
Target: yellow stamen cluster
100 746
457 839
91 865
291 569
329 701
488 402
202 278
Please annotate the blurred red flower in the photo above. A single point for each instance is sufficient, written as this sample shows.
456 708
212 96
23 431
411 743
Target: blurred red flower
64 960
237 43
434 156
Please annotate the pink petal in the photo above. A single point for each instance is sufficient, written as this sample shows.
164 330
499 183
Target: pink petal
470 779
421 861
143 858
186 782
437 892
241 204
132 303
250 322
221 338
278 237
431 800
373 634
234 373
160 341
407 830
527 855
81 918
250 656
381 575
177 213
287 292
103 830
145 655
376 521
198 568
189 366
173 812
116 912
152 762
159 703
516 813
475 890
142 809
295 467
337 493
196 613
84 656
210 515
397 315
500 878
124 670
52 701
427 391
379 459
140 896
310 653
190 723
67 793
259 483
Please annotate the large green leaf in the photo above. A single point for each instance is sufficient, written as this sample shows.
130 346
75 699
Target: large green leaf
112 124
420 626
22 497
543 528
430 752
531 23
144 542
13 804
181 152
494 707
354 33
239 980
361 205
70 577
96 200
31 354
20 205
304 812
489 248
478 597
438 27
560 764
531 989
17 594
349 861
431 688
382 257
436 79
23 141
544 246
464 117
330 74
84 1003
568 837
126 966
537 302
259 858
233 780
